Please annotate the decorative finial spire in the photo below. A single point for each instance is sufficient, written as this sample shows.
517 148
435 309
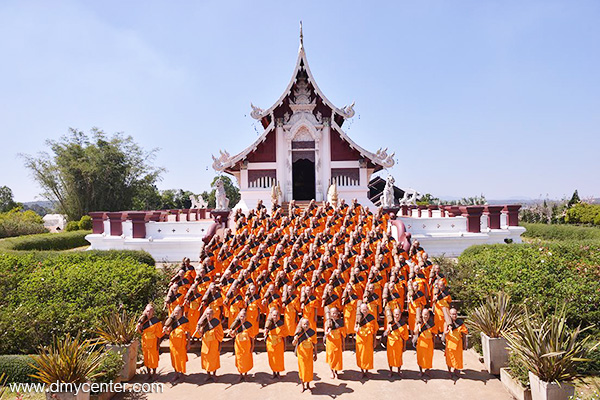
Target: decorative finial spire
301 35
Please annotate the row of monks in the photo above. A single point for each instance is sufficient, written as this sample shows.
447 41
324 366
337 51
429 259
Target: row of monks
279 277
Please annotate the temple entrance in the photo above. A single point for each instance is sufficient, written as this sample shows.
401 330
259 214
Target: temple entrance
303 176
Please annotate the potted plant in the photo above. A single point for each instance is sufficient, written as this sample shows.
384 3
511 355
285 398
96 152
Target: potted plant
515 378
117 330
550 350
109 370
493 318
67 360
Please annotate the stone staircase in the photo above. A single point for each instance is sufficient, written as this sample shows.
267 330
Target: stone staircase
303 204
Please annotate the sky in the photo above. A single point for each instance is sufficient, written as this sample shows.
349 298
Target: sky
493 97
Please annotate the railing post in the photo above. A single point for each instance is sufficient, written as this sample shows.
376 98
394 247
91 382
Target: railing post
186 213
473 214
138 222
404 209
176 213
493 214
454 211
430 209
98 218
116 222
512 211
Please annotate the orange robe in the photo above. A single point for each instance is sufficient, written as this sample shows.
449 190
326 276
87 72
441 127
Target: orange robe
304 351
290 314
151 333
334 345
309 311
454 345
425 345
365 337
211 346
350 315
178 344
276 346
418 301
243 348
253 313
395 344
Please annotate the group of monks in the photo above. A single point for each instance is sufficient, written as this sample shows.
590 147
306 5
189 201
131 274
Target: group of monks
280 278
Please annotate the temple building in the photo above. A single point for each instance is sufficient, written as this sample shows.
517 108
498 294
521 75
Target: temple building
303 149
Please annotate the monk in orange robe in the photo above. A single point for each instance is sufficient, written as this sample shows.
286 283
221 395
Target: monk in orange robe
335 334
455 336
176 328
424 336
209 329
151 329
305 340
349 302
291 304
275 333
397 335
241 330
366 328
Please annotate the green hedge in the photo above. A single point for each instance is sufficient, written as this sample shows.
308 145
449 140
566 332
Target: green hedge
46 293
541 276
583 213
47 241
560 232
17 368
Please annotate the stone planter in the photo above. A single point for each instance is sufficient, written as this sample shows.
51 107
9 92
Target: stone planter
541 390
68 396
514 386
495 353
129 354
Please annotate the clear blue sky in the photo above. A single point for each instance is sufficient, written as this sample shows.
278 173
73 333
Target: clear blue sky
493 97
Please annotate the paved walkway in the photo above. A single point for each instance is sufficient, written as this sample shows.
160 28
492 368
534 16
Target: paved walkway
475 382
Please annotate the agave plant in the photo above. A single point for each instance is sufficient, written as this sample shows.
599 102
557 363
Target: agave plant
117 328
548 347
495 316
69 360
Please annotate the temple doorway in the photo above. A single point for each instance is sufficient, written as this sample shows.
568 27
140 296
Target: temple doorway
303 175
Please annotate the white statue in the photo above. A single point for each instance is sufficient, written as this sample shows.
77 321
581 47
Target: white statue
276 194
387 199
409 198
221 197
332 194
198 201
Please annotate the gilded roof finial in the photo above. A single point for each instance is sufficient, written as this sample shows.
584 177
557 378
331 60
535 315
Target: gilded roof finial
301 35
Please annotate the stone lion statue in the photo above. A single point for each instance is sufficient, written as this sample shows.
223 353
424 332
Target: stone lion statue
275 194
332 194
387 199
409 198
198 202
222 202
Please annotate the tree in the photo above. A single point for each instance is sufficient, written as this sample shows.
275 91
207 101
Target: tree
7 202
232 192
574 199
427 199
94 172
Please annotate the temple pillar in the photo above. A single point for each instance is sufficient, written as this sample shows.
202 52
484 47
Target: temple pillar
98 218
493 213
512 211
473 214
325 154
116 222
138 222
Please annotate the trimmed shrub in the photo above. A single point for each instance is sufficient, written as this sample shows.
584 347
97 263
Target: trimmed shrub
17 223
72 226
583 213
85 223
560 232
47 241
17 368
51 294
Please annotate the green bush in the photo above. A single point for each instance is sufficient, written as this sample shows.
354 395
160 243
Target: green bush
85 223
17 223
560 232
72 226
46 241
110 367
46 294
583 213
17 368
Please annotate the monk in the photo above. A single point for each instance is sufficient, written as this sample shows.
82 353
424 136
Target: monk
151 329
335 334
366 328
179 343
424 332
455 337
274 334
305 340
209 329
397 335
241 330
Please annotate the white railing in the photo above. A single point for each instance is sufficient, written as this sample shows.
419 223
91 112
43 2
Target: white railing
262 182
344 180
